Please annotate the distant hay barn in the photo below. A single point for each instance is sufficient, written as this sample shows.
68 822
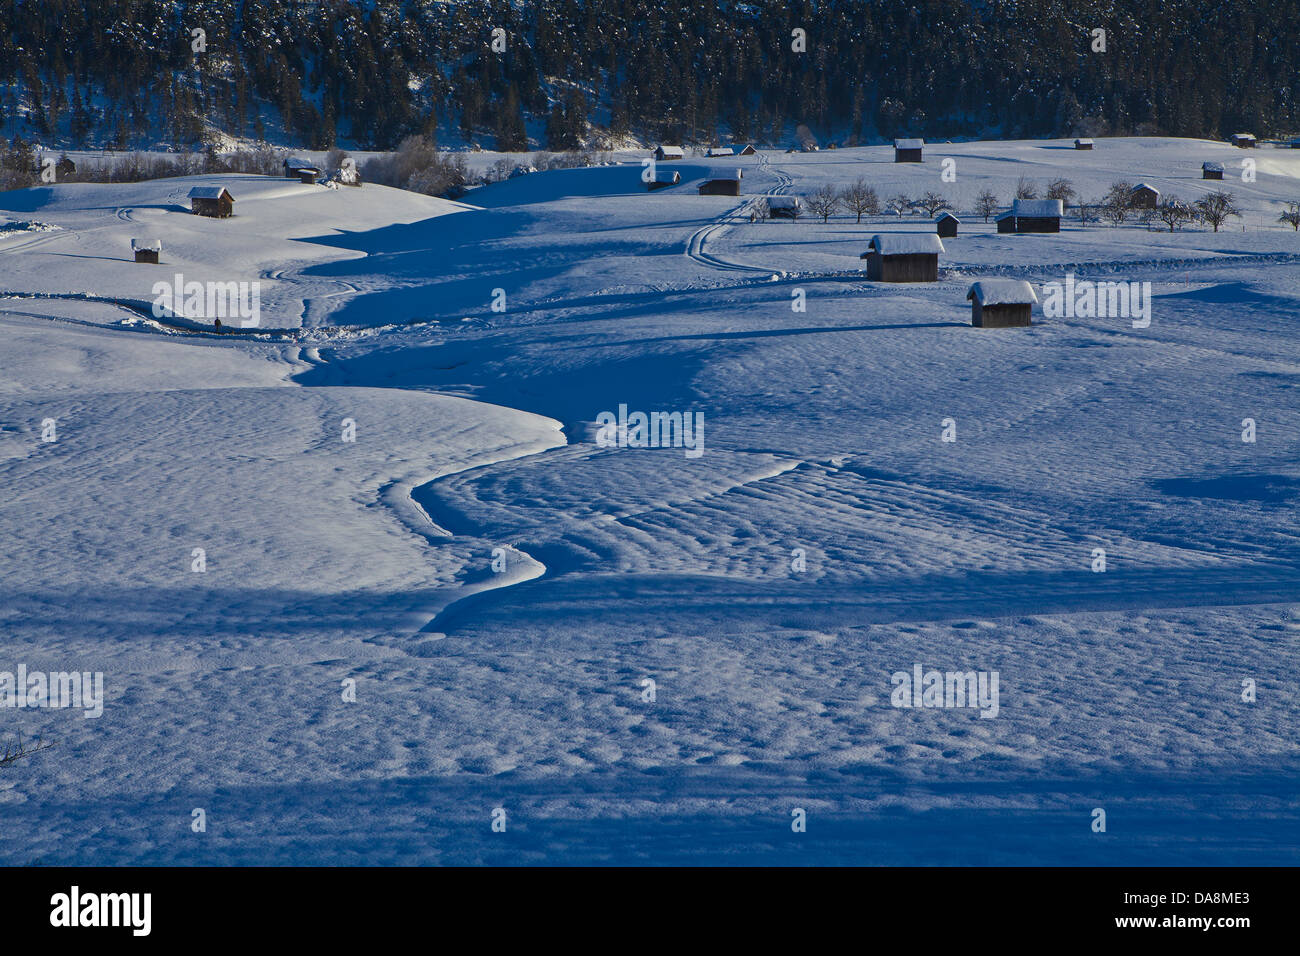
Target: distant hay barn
1001 303
1294 142
146 250
783 207
909 150
1083 144
721 151
1211 170
903 257
664 178
1242 140
669 153
747 151
1032 215
722 187
294 168
946 225
214 201
1144 196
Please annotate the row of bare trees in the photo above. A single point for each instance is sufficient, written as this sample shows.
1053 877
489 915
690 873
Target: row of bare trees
1116 206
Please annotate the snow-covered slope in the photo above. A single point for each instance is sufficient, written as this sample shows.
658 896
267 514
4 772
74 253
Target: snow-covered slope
500 586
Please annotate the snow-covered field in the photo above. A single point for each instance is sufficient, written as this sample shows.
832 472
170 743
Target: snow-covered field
501 587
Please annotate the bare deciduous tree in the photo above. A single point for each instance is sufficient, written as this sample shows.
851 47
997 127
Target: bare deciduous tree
861 199
1292 216
986 204
899 204
823 202
1118 201
933 204
1173 212
1215 208
1062 189
1025 189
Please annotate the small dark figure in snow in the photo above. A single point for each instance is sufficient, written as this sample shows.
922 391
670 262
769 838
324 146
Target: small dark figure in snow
216 325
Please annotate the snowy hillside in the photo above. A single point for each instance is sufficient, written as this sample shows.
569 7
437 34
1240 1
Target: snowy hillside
654 654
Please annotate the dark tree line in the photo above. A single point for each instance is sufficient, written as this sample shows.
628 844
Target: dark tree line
125 72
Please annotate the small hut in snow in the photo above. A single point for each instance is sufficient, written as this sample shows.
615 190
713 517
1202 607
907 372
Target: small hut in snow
1242 140
1294 142
1144 196
722 187
294 168
668 153
747 150
1032 215
664 178
146 250
783 207
903 257
909 150
721 151
1211 170
946 225
214 201
1001 303
1083 144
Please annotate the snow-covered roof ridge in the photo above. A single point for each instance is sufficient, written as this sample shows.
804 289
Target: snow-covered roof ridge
947 215
146 245
210 192
909 143
1212 166
1037 208
1002 292
906 243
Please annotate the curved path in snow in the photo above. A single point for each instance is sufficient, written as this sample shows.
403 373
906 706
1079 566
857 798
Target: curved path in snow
697 245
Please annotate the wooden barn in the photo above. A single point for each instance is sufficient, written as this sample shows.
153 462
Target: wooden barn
1144 196
1211 170
666 154
946 225
147 250
1083 144
722 187
214 201
783 207
664 178
1001 303
1294 142
294 168
903 257
1032 215
747 150
909 150
1242 140
721 151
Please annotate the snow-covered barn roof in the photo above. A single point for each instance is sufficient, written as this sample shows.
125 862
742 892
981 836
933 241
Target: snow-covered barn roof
672 151
210 192
667 176
1002 292
721 151
1037 208
294 162
1145 186
1213 167
947 215
905 244
146 245
782 202
1243 135
1083 142
908 143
